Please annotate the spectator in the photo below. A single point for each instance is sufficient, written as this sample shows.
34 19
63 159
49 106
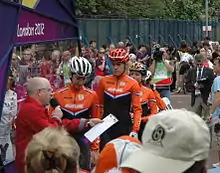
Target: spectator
186 153
101 63
186 61
214 101
46 154
162 70
55 79
64 67
44 66
14 66
111 47
93 49
142 53
121 44
216 53
199 80
9 113
207 53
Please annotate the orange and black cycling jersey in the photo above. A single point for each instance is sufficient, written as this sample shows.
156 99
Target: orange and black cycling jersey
83 103
148 101
117 95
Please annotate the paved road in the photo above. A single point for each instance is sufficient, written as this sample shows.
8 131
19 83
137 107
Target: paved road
183 101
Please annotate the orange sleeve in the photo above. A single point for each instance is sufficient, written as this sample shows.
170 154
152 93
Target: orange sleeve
95 114
160 102
152 103
136 105
95 107
100 93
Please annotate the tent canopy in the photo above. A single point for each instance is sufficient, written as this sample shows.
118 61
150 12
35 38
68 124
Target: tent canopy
33 21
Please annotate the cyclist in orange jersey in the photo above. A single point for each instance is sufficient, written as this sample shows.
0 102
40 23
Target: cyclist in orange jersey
148 101
77 101
148 82
118 93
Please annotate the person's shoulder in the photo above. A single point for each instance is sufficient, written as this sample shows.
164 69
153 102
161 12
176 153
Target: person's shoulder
107 78
208 69
192 70
217 79
146 88
130 79
88 90
26 108
61 90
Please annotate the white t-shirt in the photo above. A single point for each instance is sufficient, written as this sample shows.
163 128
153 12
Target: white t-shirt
186 57
9 112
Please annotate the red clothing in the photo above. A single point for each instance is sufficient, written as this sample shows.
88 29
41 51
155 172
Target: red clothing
206 64
45 69
31 119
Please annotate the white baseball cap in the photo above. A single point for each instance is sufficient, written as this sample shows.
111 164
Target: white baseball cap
173 141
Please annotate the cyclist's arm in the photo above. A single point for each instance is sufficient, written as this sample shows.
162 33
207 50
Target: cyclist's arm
100 93
95 107
95 114
136 105
160 103
152 103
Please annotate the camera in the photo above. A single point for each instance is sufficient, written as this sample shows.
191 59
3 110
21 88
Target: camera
157 55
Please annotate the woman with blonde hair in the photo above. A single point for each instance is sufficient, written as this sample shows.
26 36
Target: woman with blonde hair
52 151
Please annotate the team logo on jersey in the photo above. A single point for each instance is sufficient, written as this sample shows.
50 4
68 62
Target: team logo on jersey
122 83
81 97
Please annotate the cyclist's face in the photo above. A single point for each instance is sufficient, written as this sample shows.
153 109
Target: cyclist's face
78 81
119 68
136 75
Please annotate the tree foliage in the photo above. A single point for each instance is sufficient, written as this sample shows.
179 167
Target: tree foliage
167 9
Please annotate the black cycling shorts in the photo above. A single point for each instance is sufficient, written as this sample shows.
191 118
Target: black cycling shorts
184 67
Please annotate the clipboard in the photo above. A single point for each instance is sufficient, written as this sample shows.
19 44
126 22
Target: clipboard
99 129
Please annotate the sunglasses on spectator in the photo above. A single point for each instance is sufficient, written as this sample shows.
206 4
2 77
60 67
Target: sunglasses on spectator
199 64
101 52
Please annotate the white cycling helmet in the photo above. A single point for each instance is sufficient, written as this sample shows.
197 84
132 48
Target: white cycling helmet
148 75
80 66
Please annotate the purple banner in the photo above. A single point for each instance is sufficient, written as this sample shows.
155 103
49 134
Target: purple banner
21 25
33 27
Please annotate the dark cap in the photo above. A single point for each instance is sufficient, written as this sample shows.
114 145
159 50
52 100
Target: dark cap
199 58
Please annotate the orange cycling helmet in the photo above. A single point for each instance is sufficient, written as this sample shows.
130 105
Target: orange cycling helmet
138 67
119 55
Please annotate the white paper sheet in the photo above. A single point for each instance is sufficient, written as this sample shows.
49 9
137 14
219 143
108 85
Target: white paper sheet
99 129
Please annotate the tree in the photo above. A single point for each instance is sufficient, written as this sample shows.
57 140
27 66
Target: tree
166 9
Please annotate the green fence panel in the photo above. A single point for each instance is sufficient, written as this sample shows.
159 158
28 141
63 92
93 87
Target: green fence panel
144 31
